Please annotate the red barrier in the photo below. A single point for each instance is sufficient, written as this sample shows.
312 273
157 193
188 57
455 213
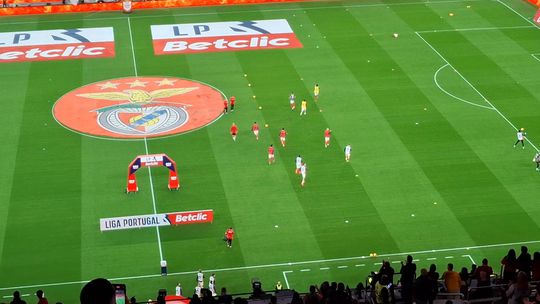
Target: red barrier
535 2
118 6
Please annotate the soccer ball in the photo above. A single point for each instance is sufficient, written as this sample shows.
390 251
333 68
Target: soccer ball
266 125
260 108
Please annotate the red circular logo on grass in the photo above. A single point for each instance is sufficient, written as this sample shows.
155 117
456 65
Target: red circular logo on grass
139 107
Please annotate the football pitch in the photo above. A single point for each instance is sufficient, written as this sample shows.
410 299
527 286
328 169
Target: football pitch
431 116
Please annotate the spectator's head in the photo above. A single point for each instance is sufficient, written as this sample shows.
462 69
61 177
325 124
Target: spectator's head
511 254
341 286
409 259
524 249
464 274
312 289
450 266
432 268
536 256
386 264
133 300
39 294
484 262
16 295
273 300
423 272
223 290
522 281
97 291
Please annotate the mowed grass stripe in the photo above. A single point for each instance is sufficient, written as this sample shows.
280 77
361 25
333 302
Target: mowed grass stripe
257 203
13 87
103 174
456 177
379 156
201 186
332 194
44 208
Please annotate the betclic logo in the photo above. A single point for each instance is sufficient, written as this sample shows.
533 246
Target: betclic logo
56 44
223 36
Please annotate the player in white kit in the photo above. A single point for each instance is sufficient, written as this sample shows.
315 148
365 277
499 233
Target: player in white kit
212 284
298 164
348 150
303 171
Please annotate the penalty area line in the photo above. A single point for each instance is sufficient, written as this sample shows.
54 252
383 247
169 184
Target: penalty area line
288 264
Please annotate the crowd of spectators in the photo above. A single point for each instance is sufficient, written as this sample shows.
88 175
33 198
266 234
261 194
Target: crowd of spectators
518 283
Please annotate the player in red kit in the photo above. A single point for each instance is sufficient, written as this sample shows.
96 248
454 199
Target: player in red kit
255 130
282 136
225 106
327 134
232 100
229 235
234 131
271 157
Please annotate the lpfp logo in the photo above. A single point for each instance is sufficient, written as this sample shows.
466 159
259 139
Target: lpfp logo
139 107
56 44
223 36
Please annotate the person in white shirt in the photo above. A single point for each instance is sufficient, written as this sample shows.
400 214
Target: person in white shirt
521 138
200 279
292 101
178 290
198 290
536 159
348 150
303 171
212 284
298 164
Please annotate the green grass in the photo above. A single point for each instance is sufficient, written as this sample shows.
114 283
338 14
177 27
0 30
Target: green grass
57 184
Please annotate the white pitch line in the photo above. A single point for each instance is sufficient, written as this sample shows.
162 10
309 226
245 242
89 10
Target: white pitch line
535 56
435 79
470 258
359 265
304 270
324 268
24 295
513 10
474 88
343 266
449 257
396 262
478 29
377 264
431 259
286 280
246 11
287 264
135 70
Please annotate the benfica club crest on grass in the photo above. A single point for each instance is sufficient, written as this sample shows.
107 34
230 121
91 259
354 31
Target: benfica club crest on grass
139 107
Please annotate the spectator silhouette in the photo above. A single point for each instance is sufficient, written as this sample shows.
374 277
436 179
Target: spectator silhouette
425 288
17 298
509 263
536 266
408 274
387 270
224 298
41 298
313 296
97 291
518 290
524 261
